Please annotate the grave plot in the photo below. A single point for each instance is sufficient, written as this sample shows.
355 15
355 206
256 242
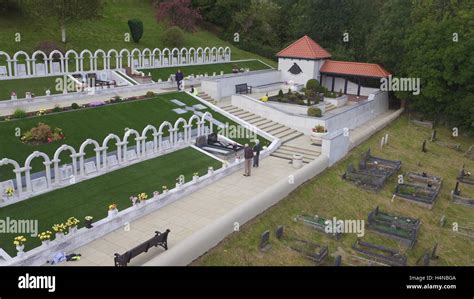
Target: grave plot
396 227
378 165
379 253
371 181
423 123
457 198
421 195
465 176
451 145
424 179
310 250
316 222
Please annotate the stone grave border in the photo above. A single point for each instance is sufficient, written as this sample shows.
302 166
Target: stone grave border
379 253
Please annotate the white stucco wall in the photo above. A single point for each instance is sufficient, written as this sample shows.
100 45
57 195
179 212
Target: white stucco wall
351 86
310 69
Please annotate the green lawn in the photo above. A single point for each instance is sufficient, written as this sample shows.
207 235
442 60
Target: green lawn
90 198
329 196
106 32
95 123
37 86
164 73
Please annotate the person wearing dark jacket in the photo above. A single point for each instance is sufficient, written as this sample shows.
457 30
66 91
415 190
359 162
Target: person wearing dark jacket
256 150
179 78
248 155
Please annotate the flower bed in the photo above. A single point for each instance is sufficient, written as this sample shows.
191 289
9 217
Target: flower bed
42 134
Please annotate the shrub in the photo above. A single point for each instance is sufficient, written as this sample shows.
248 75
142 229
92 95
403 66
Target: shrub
340 93
173 37
75 106
116 99
41 132
136 29
56 108
314 112
49 46
293 98
179 13
313 85
19 113
150 94
280 94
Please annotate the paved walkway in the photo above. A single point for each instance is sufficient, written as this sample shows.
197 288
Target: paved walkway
184 216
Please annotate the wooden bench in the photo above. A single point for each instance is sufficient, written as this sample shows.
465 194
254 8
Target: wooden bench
161 239
243 89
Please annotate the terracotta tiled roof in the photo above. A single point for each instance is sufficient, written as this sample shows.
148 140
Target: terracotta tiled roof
305 48
354 68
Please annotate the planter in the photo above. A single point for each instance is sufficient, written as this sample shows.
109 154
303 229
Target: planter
316 138
195 178
59 236
20 249
112 213
88 223
45 242
73 229
165 191
210 171
178 185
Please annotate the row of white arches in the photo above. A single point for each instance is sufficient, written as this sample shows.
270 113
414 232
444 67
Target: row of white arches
41 64
143 152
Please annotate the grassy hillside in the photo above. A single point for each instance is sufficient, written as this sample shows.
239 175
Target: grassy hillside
328 195
105 32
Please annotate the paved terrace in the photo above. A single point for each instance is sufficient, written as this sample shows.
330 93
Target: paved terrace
185 216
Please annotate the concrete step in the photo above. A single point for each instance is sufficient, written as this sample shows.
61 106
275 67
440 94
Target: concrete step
314 149
274 127
291 137
291 152
288 157
261 122
281 130
252 118
269 126
226 107
233 110
240 113
285 133
245 115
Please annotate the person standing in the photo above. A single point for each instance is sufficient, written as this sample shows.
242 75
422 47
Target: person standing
256 151
248 155
179 78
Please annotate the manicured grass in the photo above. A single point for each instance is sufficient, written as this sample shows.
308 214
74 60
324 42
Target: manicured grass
92 197
164 73
329 196
105 32
37 86
95 123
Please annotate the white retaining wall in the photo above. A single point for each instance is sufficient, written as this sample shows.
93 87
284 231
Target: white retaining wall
225 85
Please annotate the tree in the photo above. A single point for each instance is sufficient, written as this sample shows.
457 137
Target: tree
173 37
136 29
64 10
178 13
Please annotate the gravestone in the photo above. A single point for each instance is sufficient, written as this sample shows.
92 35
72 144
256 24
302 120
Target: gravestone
468 153
423 147
90 167
39 184
265 241
179 111
65 172
146 62
442 221
426 259
135 63
199 107
112 161
433 252
3 71
40 69
56 67
279 232
165 144
149 146
21 69
433 135
338 261
132 155
178 102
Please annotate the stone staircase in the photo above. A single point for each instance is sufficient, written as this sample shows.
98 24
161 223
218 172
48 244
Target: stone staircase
206 97
284 133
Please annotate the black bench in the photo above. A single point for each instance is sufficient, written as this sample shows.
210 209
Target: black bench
243 88
161 239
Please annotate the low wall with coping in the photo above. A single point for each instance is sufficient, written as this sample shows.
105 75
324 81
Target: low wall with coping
225 85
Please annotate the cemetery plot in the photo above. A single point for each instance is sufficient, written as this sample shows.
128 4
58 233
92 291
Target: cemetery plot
93 197
379 253
379 165
465 176
309 250
424 179
371 181
421 195
451 145
421 123
36 86
399 228
318 223
457 198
